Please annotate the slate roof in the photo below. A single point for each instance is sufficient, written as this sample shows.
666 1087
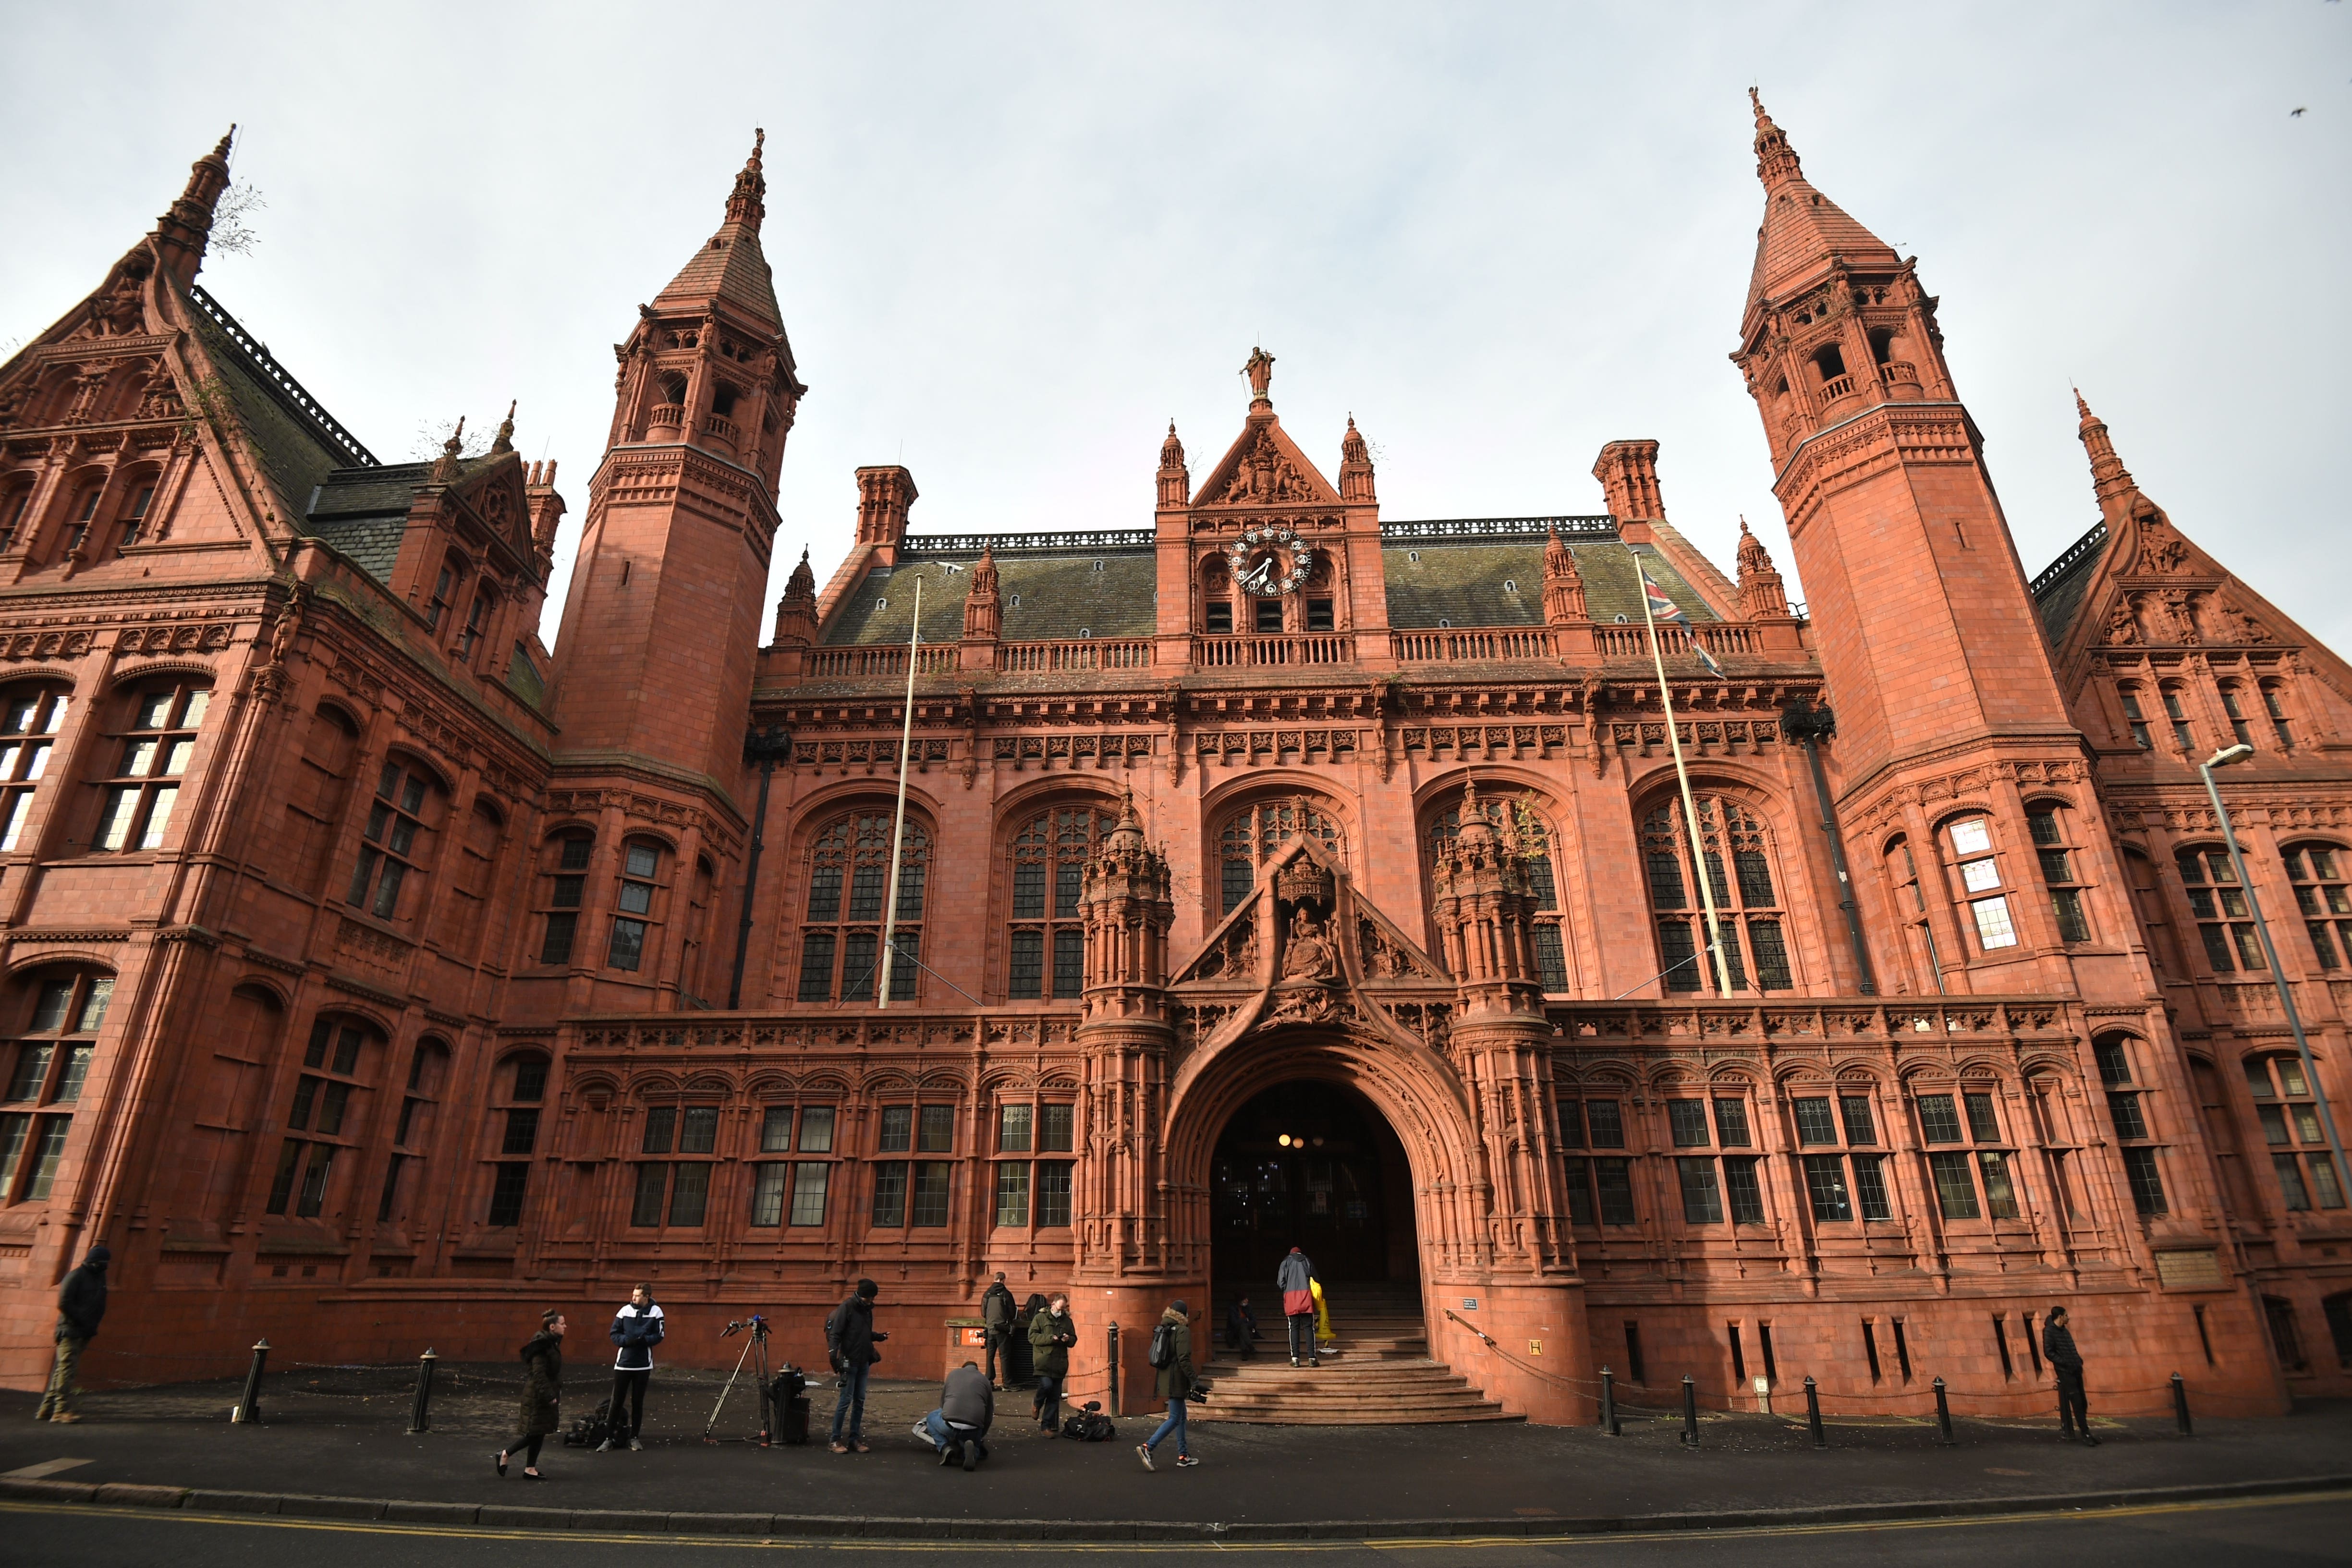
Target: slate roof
2059 590
1462 581
293 452
1112 591
731 266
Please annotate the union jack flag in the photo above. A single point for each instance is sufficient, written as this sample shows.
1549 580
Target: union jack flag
1664 609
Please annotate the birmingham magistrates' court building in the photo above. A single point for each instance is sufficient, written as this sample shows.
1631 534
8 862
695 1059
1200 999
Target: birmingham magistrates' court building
1276 871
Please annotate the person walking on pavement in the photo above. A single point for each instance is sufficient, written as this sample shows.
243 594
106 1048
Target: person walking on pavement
543 1394
1296 1280
637 1327
996 1312
850 1337
958 1428
1052 1332
1173 1382
81 1305
2066 1363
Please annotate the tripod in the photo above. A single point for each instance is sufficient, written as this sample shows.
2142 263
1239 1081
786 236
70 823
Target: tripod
755 1350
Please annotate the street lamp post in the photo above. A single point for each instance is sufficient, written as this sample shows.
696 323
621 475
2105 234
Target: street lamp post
2223 758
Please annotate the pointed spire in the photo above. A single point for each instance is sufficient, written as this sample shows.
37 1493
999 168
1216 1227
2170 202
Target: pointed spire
444 468
747 203
1762 593
505 441
983 609
2109 477
1775 161
730 265
802 584
1175 479
1563 592
1355 466
182 232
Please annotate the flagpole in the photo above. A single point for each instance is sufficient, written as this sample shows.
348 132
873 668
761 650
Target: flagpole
1682 777
898 833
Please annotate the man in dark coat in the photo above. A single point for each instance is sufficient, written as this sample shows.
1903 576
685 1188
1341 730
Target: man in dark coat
1052 1332
996 1312
543 1392
850 1337
81 1306
2066 1363
958 1428
1296 1280
637 1327
1173 1382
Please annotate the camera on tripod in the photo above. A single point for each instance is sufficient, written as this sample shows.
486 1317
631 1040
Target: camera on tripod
755 1322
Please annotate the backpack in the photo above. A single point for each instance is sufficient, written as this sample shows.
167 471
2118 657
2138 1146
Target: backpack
590 1429
1089 1424
1163 1353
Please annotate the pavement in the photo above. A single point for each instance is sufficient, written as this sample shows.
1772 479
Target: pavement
333 1444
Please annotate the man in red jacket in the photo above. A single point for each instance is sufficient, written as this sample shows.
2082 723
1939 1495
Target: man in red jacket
1296 1280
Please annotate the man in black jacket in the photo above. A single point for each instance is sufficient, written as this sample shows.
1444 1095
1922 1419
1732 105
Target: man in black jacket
2066 1363
850 1337
81 1304
996 1311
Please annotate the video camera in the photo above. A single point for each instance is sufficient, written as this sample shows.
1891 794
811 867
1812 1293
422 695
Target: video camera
1199 1393
756 1323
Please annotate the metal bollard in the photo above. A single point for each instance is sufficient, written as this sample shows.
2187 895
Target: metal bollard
1943 1415
420 1417
248 1403
1690 1411
1813 1415
2180 1405
1114 1405
1608 1403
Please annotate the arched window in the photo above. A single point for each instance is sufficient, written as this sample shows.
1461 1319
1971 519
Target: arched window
328 1114
2050 825
428 1072
1748 901
149 756
2135 717
30 717
445 583
2287 1107
2155 918
399 838
562 881
1251 836
1049 858
1981 882
137 495
2121 1076
59 1013
2177 715
1535 841
517 1094
477 620
2275 704
2318 872
16 506
478 857
849 875
2224 919
642 904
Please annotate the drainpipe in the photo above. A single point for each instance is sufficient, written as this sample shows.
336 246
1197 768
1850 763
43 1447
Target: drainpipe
766 748
1809 725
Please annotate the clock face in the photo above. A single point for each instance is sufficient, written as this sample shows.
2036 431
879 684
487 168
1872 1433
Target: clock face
1270 559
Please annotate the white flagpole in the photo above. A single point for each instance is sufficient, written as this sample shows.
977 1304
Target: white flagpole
1682 777
898 833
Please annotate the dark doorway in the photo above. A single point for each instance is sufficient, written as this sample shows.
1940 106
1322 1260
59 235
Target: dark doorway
1313 1165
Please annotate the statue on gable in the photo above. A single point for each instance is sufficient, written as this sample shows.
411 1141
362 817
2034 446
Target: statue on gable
1307 955
1259 369
2123 626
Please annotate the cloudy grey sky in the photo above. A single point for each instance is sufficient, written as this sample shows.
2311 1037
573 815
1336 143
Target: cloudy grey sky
1011 241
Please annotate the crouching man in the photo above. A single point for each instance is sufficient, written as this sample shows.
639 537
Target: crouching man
958 1428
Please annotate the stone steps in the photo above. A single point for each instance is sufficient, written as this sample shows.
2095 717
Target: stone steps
1381 1373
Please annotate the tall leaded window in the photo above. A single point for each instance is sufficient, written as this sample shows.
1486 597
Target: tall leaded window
2274 706
428 1072
1969 1116
519 1092
1601 1184
2318 872
30 717
789 1192
2288 1110
673 1186
1252 836
1840 1155
635 916
1045 953
1982 886
397 838
149 757
562 886
848 882
1535 843
1710 1196
2225 920
1747 897
46 1067
2051 828
326 1117
2135 718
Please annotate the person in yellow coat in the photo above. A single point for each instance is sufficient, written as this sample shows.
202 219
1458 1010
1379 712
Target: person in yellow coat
1324 1337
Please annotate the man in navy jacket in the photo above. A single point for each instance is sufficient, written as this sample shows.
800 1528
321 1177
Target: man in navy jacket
636 1328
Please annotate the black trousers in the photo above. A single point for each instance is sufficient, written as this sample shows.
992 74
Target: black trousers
2073 1405
997 1351
629 1387
1302 1335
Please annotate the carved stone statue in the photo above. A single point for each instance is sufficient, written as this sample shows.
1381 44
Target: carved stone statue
1308 956
1260 371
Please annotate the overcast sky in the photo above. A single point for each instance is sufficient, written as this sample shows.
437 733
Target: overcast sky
1011 241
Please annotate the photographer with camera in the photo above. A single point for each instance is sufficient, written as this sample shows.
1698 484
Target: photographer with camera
958 1428
636 1328
1172 1358
850 1337
1052 1332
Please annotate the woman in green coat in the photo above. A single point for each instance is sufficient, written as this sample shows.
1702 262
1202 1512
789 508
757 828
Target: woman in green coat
1174 1383
1051 1335
543 1392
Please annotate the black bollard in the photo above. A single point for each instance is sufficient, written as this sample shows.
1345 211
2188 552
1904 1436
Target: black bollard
1608 1403
2180 1405
420 1418
248 1403
1114 1371
1813 1415
1943 1416
1690 1411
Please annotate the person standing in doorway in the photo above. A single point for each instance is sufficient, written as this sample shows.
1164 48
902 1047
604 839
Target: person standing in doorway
1173 1382
81 1304
850 1337
543 1394
1052 1332
2066 1363
636 1328
1241 1328
996 1313
1296 1280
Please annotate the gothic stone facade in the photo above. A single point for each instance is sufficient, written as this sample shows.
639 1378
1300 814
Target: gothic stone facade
367 964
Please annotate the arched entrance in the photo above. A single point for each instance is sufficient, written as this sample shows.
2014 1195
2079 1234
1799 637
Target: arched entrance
1312 1164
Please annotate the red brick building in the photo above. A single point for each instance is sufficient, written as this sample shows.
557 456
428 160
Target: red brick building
1274 870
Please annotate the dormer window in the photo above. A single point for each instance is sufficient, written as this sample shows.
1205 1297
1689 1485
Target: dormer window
443 587
476 620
